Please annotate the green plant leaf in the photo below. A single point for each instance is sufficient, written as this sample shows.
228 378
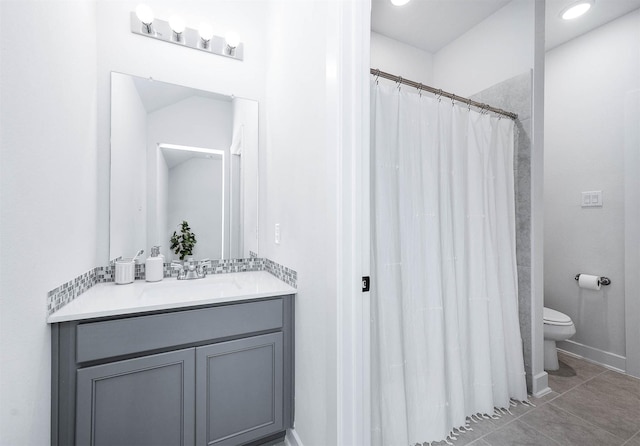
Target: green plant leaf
183 244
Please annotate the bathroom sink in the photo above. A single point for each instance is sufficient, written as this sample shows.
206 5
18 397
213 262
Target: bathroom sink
215 286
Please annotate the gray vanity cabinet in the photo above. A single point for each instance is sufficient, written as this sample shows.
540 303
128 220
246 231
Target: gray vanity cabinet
215 375
239 390
147 401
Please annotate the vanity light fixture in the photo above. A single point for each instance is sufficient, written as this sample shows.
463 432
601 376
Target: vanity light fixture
177 26
232 40
145 15
399 2
577 9
175 31
206 33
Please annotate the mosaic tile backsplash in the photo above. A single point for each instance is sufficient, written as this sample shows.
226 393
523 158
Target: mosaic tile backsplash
287 275
65 293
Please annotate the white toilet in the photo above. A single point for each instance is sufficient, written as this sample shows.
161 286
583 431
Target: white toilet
557 327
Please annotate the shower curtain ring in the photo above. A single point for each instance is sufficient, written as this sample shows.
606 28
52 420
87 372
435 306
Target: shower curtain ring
399 82
453 100
377 75
420 86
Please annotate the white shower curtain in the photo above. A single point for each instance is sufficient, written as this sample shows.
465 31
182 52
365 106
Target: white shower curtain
445 334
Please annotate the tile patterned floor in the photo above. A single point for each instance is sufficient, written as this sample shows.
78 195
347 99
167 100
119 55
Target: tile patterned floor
596 407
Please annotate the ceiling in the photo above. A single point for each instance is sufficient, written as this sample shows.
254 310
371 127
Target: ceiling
174 157
432 24
156 95
559 31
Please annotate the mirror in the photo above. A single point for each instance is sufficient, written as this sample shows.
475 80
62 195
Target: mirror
182 154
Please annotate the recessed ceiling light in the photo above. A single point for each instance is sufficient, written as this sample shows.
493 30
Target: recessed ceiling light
576 10
400 2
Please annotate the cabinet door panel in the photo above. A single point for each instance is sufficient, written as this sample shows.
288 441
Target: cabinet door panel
142 401
239 390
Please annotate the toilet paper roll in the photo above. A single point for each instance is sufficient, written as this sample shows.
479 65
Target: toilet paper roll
589 282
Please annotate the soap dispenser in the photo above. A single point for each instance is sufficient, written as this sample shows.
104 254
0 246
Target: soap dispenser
154 265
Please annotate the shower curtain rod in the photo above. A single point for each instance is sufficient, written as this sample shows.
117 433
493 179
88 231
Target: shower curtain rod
440 93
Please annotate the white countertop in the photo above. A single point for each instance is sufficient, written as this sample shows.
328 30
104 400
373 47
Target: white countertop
109 299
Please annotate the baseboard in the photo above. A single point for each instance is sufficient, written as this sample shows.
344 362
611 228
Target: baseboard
292 438
541 385
597 356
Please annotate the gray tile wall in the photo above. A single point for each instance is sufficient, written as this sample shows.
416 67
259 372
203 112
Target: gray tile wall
515 95
65 293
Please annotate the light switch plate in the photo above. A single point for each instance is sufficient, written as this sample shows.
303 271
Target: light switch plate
591 199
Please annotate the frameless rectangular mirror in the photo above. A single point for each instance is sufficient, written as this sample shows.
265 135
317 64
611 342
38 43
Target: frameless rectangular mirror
182 154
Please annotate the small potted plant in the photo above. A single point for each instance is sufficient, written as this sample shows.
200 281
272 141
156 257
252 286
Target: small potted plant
182 244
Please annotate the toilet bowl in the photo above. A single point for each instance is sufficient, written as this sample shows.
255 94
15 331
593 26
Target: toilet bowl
557 327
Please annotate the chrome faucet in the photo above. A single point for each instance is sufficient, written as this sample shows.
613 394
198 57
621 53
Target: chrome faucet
191 269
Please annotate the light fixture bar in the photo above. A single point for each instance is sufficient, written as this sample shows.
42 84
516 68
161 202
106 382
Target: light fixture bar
161 30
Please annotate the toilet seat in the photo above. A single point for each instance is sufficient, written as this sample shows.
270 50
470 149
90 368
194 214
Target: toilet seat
553 317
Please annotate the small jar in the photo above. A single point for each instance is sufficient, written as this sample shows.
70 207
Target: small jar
125 271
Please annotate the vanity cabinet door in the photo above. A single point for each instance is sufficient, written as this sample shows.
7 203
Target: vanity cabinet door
239 390
142 401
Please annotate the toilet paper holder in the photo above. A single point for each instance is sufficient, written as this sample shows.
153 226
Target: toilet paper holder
601 280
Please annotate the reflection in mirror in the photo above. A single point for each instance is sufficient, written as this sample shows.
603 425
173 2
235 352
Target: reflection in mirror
187 178
177 154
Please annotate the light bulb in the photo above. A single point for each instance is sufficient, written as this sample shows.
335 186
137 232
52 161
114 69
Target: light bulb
206 31
232 39
576 10
144 14
177 24
400 2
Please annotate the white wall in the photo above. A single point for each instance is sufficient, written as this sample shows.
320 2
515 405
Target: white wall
48 187
161 204
246 127
301 195
587 81
55 99
401 59
540 377
195 195
316 159
632 235
128 217
497 49
195 121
